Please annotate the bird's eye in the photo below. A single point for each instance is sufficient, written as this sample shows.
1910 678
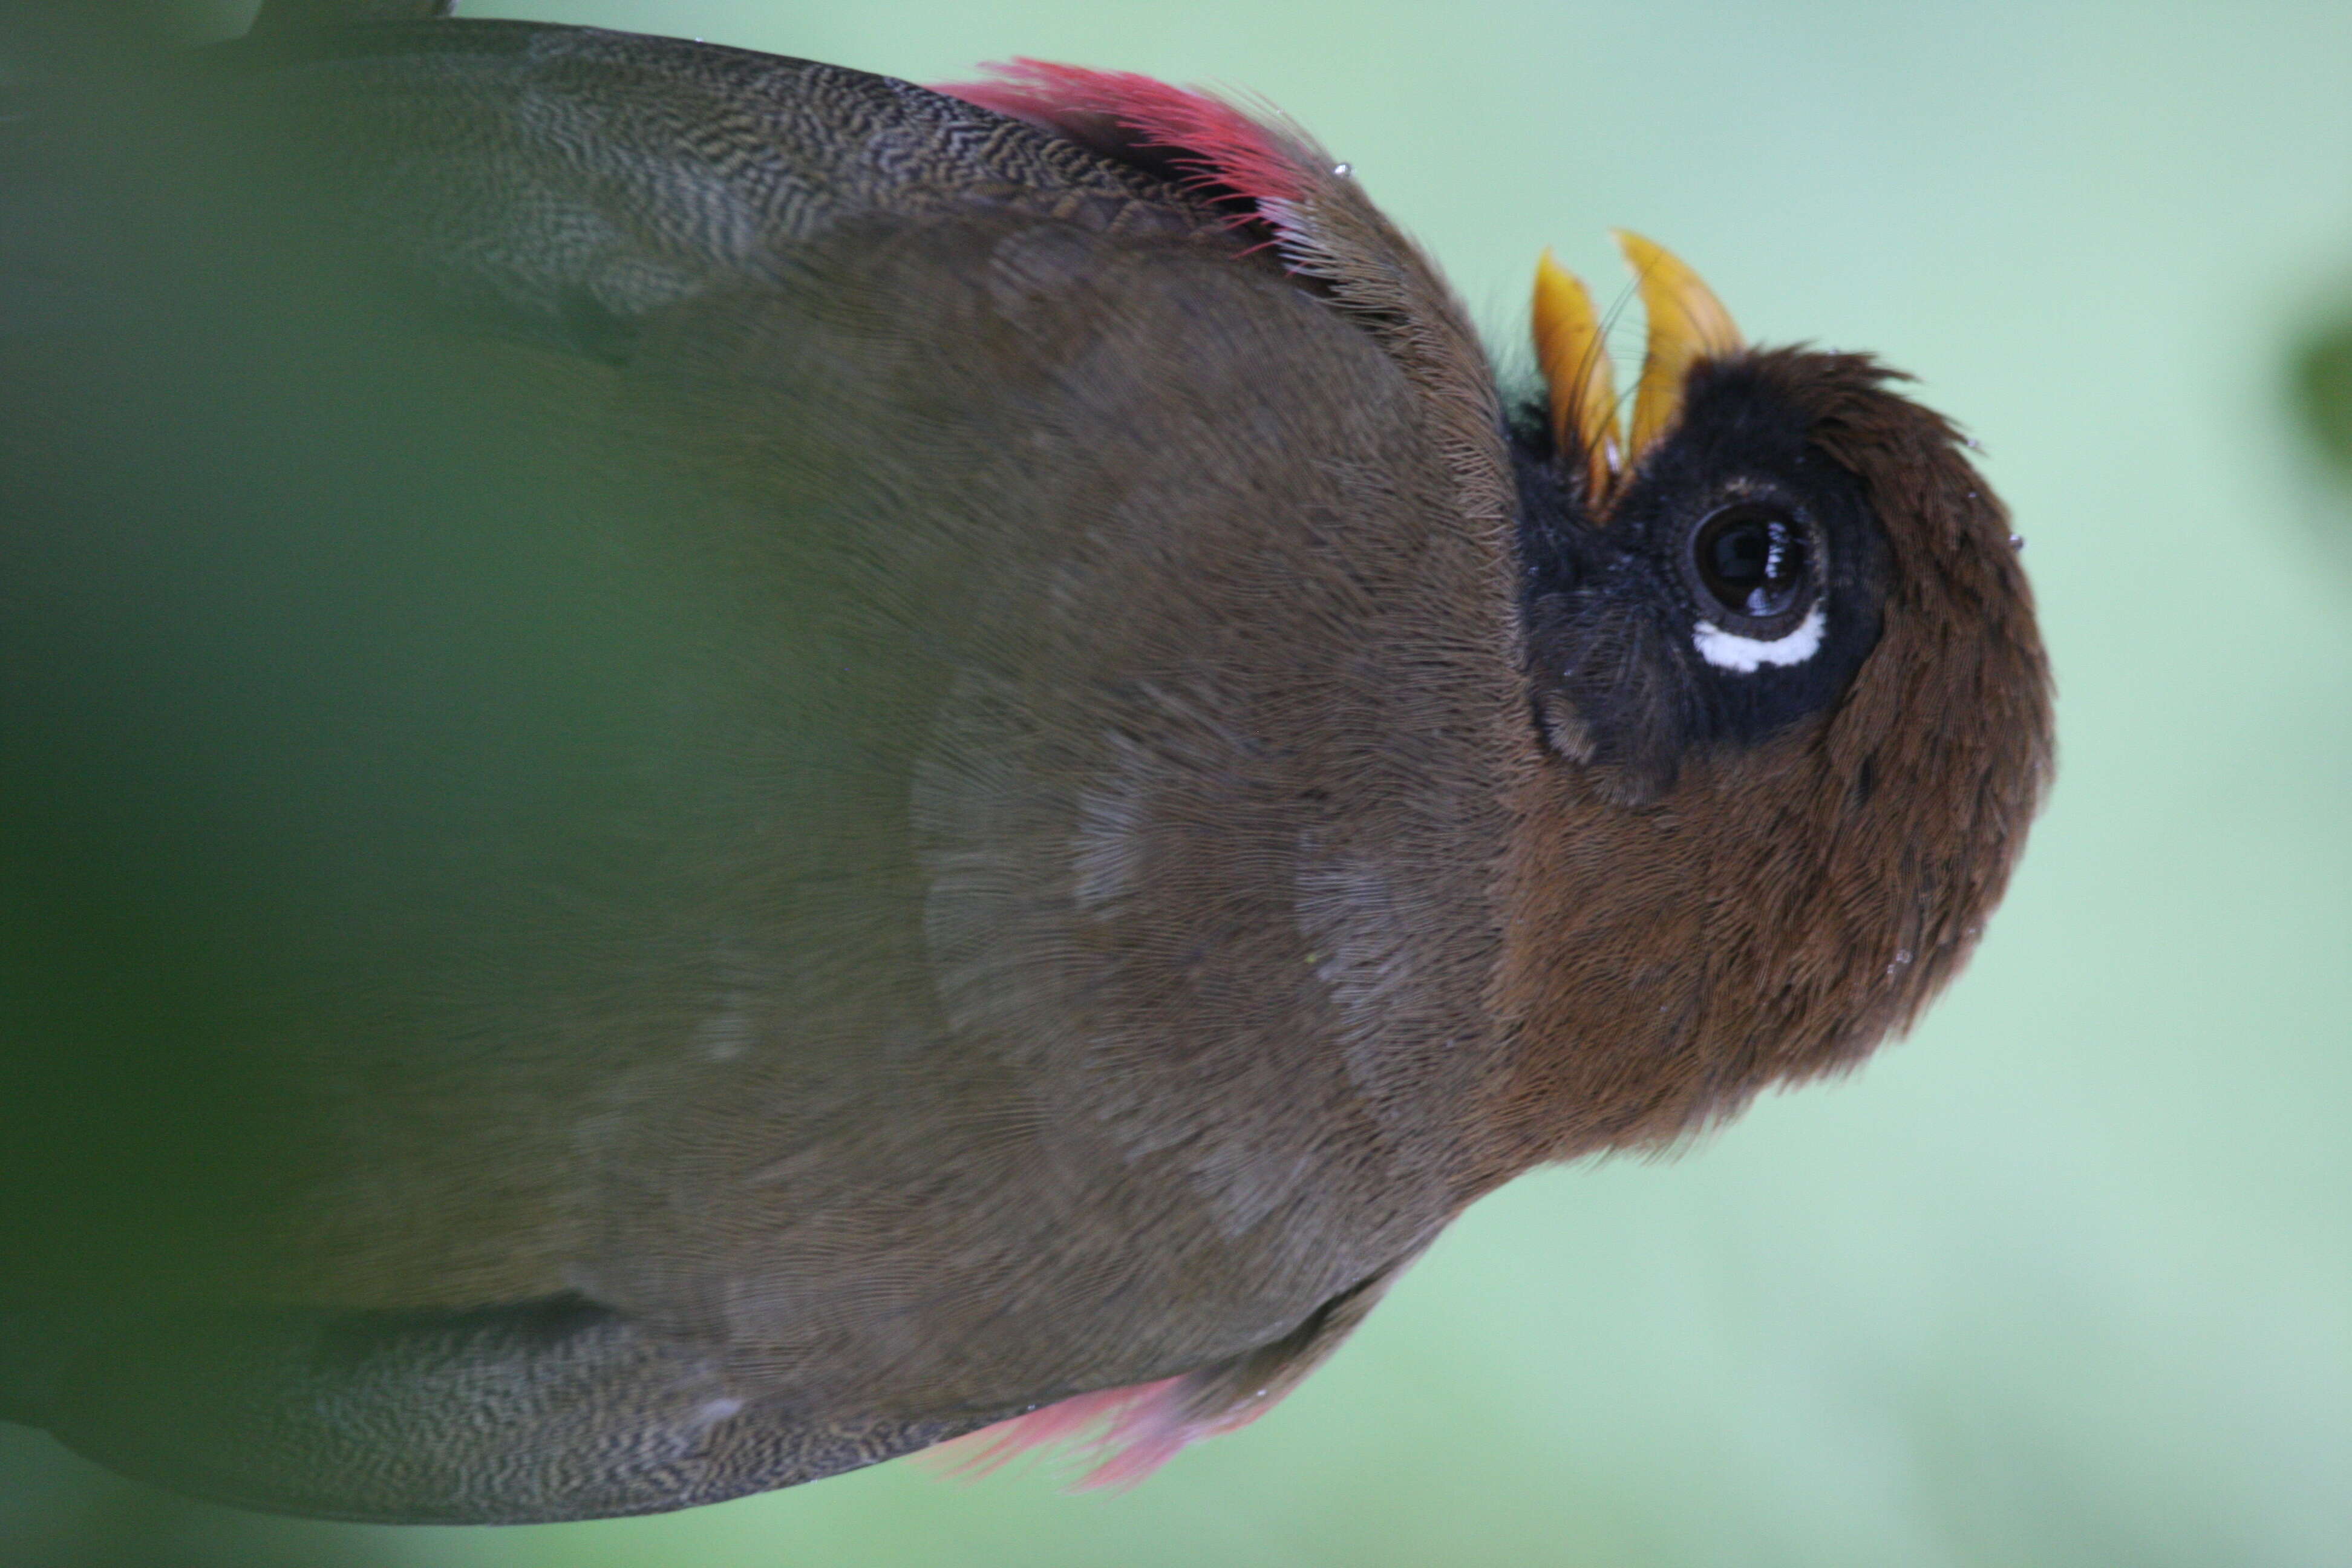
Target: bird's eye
1755 562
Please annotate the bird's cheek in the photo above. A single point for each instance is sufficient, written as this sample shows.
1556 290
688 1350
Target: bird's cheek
1610 693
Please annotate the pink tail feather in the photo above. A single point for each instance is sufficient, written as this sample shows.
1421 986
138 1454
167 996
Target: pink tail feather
1127 1433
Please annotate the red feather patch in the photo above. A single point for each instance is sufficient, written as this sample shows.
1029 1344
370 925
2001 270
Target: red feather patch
1227 147
1127 1433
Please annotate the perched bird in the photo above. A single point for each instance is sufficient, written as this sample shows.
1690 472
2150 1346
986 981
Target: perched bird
1167 781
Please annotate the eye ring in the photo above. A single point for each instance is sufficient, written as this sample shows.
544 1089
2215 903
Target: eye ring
1754 568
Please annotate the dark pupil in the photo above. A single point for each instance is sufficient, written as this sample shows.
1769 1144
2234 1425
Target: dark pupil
1754 563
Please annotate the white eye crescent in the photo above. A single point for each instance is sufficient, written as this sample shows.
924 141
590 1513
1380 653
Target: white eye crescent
1746 656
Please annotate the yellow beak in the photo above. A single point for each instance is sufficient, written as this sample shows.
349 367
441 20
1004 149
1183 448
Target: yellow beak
1687 324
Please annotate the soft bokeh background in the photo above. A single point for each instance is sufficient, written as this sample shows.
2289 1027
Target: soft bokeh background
2066 1277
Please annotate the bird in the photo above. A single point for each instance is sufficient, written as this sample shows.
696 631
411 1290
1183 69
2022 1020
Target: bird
1168 774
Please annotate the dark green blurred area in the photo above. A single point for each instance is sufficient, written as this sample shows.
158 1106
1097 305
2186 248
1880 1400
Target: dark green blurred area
329 695
57 1511
2322 382
2064 1280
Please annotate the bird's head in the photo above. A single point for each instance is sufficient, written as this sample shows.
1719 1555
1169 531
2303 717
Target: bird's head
1796 715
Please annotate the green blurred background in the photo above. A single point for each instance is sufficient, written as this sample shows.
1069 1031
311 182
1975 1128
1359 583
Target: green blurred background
2066 1277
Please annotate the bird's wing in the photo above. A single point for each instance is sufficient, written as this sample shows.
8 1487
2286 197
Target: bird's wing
565 181
1001 969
